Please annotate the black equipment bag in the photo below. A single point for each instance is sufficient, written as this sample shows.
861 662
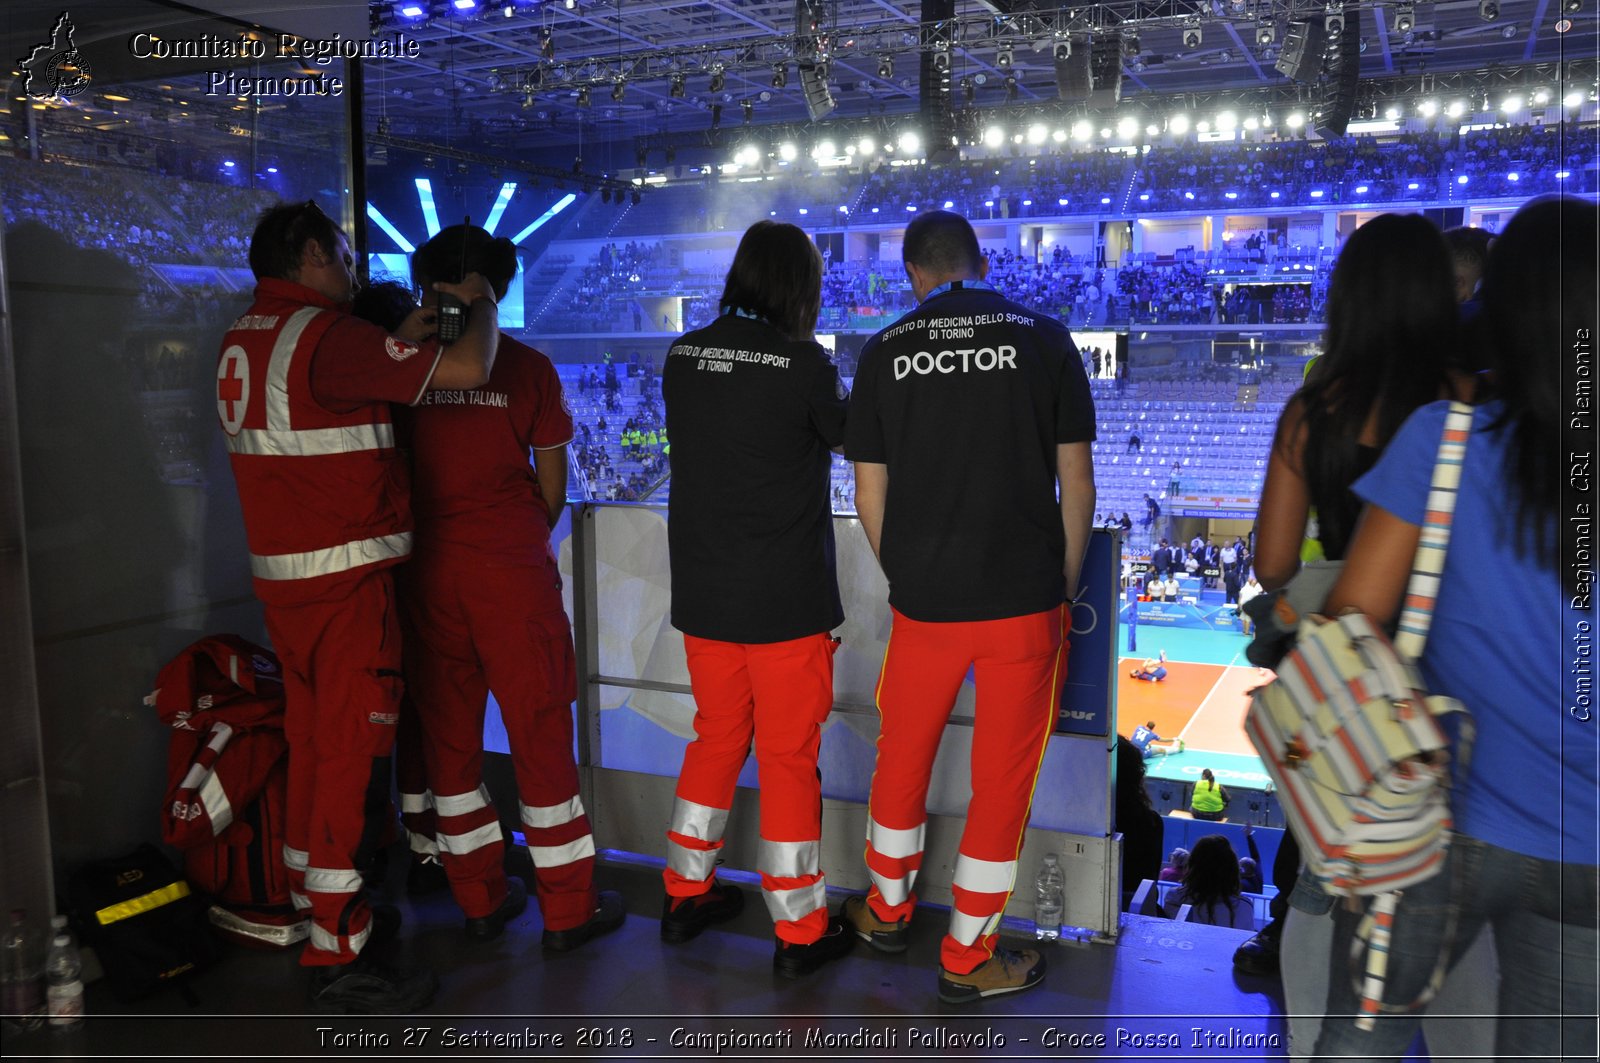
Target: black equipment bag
139 916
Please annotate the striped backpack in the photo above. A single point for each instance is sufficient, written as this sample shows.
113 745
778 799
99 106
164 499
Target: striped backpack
1352 739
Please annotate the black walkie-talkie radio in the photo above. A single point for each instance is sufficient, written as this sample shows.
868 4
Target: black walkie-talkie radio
452 319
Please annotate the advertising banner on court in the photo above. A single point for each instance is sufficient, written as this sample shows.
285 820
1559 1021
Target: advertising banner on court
1086 696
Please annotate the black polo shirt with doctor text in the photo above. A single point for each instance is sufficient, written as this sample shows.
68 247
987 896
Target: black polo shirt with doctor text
965 400
751 415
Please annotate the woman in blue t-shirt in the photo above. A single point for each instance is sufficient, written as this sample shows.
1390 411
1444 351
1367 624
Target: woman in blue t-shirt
1524 855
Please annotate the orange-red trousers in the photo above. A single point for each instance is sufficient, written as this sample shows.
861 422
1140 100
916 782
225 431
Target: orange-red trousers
779 693
473 628
1019 665
341 670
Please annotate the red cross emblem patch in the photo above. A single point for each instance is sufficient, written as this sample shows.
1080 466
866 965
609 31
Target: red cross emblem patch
233 388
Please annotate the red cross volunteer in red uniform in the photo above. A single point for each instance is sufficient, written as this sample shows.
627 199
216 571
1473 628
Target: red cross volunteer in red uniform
753 407
482 599
966 414
303 393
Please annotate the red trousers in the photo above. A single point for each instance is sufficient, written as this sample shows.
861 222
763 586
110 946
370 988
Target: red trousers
473 629
779 693
342 685
411 779
1019 664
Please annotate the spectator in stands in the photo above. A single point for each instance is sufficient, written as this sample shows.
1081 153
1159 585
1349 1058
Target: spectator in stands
1211 887
1134 442
1209 799
1527 867
1161 558
1250 866
1469 253
1177 865
1126 523
1392 323
1152 512
1137 820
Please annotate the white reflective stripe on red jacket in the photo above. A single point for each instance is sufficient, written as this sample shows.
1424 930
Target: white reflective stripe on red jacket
310 442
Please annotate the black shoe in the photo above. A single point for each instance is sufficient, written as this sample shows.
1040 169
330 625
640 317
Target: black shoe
488 927
425 875
797 961
609 914
684 917
369 986
1259 955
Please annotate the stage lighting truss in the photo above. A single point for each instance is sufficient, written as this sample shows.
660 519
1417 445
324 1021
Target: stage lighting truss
1405 17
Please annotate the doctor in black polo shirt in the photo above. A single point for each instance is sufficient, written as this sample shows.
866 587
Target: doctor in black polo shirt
966 415
754 406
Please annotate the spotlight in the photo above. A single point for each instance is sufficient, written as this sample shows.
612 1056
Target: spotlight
1011 87
1488 10
1037 134
787 151
909 142
1266 34
867 146
941 58
1428 108
886 68
780 75
1127 127
1178 124
1572 7
993 137
617 89
1063 50
1405 17
718 78
1004 57
1296 120
675 86
1333 22
413 10
583 96
1573 99
508 11
1192 38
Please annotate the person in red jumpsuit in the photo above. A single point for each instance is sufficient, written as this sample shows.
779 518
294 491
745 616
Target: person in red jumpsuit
303 394
754 405
966 416
482 598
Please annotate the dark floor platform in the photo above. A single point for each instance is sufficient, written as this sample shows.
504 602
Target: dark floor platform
1164 990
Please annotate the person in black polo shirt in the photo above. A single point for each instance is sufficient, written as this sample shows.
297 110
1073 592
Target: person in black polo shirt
753 408
967 412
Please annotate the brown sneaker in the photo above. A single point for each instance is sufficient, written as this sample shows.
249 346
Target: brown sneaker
885 937
1008 971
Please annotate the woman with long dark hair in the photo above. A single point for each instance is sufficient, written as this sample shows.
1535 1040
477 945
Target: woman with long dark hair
1523 859
1392 327
1211 887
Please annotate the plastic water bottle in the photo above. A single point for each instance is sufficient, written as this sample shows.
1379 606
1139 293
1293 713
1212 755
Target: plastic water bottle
22 973
63 972
1048 899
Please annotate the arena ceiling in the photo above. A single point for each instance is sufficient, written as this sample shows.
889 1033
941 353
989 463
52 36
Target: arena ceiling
554 73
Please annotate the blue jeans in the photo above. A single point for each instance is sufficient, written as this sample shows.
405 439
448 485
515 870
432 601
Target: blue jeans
1543 914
